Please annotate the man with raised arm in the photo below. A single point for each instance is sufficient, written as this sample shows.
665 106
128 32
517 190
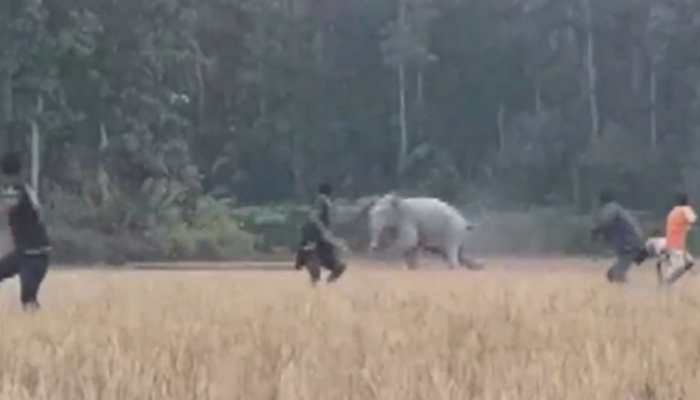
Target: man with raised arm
30 257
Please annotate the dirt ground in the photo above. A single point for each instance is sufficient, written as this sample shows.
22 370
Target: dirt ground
503 267
515 264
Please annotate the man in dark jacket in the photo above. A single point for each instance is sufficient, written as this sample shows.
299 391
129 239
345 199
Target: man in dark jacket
30 257
317 240
622 232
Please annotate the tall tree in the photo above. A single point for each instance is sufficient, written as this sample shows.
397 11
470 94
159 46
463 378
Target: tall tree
591 71
662 19
406 46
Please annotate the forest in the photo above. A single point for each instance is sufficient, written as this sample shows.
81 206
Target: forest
159 125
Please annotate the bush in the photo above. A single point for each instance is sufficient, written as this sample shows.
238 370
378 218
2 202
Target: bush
84 233
275 226
213 233
85 245
221 241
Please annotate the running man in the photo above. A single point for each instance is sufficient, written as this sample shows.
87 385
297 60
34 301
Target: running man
30 257
318 240
622 232
678 223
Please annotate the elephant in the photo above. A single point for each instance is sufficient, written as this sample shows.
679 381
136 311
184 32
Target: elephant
421 223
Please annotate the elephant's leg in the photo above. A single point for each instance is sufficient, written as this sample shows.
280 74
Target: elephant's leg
467 261
407 244
458 257
470 263
453 257
411 257
451 254
441 253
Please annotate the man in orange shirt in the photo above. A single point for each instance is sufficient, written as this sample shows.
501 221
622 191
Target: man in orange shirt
678 222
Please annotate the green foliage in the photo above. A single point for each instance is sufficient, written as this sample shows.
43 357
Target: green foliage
275 225
85 245
127 230
219 242
213 233
146 109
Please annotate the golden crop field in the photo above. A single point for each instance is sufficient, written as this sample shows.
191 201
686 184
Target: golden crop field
535 329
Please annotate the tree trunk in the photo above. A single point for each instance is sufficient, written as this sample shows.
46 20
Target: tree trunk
571 37
420 97
500 121
319 46
262 92
201 89
102 176
36 149
538 97
7 57
636 74
653 134
6 103
260 37
592 73
420 106
35 155
297 162
403 124
576 184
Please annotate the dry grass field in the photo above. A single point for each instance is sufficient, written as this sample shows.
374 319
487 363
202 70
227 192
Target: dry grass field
536 329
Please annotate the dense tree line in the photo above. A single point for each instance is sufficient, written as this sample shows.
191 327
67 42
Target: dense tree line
508 102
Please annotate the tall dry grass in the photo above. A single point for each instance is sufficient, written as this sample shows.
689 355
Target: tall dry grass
496 334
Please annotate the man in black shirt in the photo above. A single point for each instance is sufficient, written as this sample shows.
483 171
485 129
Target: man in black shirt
317 240
30 257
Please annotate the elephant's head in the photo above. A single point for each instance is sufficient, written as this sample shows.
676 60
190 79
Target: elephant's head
384 213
